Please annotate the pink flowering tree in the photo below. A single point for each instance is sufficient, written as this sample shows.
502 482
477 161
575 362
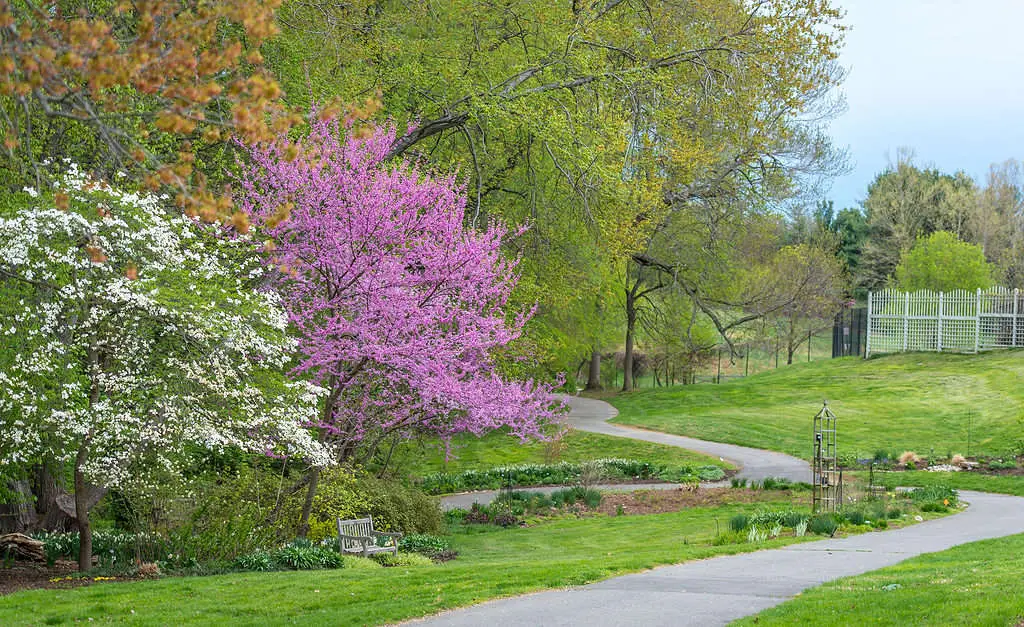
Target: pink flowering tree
399 306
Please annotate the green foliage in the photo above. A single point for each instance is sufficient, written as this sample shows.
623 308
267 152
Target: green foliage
113 549
562 473
941 262
298 555
424 544
353 562
854 516
739 522
492 563
823 524
424 456
342 493
934 493
784 518
402 559
257 560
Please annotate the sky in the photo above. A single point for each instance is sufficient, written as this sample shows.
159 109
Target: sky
944 78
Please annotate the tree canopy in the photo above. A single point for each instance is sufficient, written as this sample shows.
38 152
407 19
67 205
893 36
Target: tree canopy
942 262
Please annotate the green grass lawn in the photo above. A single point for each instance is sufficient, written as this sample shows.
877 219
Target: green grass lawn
921 402
492 562
973 584
419 458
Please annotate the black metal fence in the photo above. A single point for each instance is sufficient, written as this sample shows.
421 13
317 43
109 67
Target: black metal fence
850 332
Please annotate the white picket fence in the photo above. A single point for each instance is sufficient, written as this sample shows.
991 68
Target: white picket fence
958 321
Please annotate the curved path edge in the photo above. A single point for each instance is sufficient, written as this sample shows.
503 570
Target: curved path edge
718 590
587 414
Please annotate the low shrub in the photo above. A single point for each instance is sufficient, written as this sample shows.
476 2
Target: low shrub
776 483
998 464
855 517
299 555
710 473
402 559
782 518
729 537
738 482
424 544
933 506
563 473
792 518
739 522
822 525
260 561
357 563
935 493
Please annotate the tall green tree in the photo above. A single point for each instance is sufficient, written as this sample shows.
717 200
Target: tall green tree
904 203
942 262
573 117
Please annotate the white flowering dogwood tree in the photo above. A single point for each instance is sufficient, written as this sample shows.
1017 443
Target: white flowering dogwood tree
132 332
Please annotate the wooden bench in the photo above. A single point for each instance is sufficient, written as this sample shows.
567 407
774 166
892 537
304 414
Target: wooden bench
357 536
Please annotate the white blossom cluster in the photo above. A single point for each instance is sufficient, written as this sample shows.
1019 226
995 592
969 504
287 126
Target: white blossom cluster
130 331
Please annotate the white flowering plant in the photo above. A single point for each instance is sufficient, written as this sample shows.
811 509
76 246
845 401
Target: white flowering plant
129 332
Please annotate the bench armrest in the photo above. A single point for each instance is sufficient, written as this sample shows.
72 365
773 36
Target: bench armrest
388 534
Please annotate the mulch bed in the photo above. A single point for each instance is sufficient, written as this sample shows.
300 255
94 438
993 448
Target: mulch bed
662 501
29 575
62 575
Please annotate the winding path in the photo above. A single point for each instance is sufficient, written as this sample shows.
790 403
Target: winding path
587 414
718 590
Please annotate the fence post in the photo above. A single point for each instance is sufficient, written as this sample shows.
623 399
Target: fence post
746 361
906 319
867 339
938 325
977 320
1013 333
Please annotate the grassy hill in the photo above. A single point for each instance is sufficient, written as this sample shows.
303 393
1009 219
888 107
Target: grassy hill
921 402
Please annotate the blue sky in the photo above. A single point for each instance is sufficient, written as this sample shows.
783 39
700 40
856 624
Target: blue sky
942 77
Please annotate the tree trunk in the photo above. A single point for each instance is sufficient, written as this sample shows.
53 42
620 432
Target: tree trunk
594 372
627 360
307 506
18 516
54 506
82 513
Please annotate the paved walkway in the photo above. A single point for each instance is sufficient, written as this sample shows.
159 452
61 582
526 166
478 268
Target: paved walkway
719 590
586 414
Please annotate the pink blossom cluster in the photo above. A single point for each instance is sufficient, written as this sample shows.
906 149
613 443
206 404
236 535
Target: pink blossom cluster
399 305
